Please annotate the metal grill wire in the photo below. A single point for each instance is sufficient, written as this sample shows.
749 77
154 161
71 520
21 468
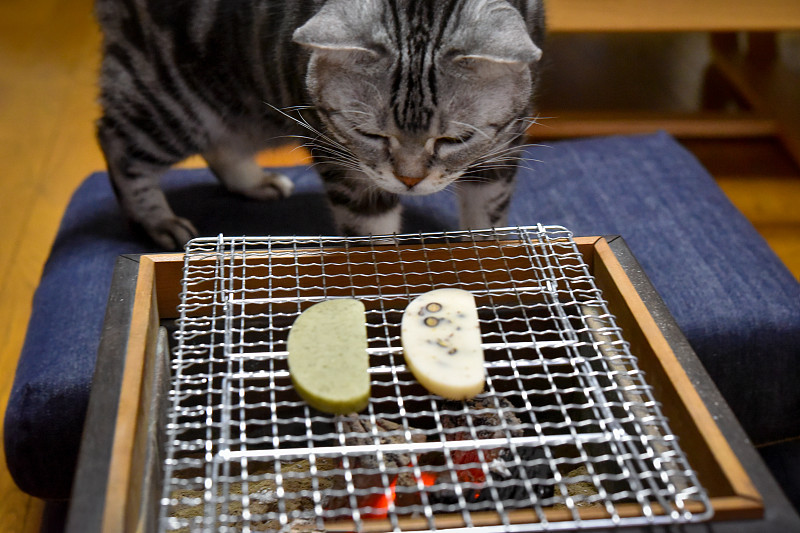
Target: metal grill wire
579 431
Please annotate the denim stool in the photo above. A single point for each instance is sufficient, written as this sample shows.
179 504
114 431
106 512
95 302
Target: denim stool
732 297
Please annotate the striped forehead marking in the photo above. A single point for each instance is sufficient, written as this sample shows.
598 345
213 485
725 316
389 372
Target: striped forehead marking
419 27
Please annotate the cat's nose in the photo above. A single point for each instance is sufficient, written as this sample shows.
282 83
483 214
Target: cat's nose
409 181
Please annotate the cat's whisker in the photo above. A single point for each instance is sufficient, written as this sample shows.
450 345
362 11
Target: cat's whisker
507 153
529 121
327 154
535 121
294 107
473 128
452 189
499 157
531 159
475 178
333 155
505 163
356 112
327 146
332 149
320 162
504 158
334 152
490 168
304 123
509 160
313 143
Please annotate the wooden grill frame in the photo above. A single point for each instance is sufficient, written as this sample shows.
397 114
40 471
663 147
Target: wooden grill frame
120 457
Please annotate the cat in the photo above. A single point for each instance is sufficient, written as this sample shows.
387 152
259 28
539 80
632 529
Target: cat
395 97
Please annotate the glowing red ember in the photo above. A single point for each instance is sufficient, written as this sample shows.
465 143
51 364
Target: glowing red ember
380 503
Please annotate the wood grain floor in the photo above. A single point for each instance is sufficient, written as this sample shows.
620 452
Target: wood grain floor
48 64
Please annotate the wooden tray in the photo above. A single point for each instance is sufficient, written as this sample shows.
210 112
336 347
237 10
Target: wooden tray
119 465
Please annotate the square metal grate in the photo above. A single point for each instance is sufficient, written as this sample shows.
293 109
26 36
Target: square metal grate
566 433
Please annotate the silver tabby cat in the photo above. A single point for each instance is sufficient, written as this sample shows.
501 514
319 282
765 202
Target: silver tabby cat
395 97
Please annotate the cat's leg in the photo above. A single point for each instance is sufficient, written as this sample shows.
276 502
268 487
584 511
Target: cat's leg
241 174
135 172
484 202
358 207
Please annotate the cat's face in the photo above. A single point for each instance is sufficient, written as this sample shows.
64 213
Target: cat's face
416 97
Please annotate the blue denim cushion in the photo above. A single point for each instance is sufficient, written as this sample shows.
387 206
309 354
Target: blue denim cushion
732 297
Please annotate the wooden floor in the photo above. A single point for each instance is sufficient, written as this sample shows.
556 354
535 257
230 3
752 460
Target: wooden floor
48 64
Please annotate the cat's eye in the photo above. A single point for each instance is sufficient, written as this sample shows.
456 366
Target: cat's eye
374 137
453 142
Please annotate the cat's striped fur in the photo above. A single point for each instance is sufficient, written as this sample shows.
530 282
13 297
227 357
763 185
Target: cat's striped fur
394 96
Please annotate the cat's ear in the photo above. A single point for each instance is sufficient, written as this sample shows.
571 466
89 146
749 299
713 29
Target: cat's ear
342 26
495 33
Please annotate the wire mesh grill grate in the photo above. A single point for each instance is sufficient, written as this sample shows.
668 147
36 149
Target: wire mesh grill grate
566 432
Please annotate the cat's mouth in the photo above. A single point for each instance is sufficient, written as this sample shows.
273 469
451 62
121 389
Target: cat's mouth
408 181
433 182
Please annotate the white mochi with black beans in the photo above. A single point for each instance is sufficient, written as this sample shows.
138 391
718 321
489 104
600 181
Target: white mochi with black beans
442 343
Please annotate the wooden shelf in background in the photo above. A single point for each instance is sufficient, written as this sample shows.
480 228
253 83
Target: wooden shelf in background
673 15
567 124
755 159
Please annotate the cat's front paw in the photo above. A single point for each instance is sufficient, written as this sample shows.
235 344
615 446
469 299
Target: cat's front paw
271 186
172 233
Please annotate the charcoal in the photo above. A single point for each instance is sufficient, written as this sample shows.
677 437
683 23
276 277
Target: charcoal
503 468
358 431
484 417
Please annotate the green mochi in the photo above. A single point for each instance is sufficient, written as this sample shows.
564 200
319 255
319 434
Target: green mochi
328 360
